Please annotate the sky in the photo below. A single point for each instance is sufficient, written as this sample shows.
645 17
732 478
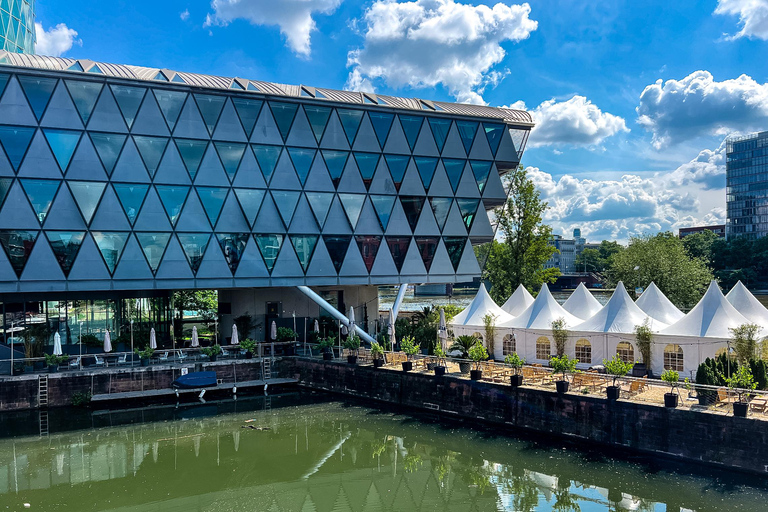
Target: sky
632 100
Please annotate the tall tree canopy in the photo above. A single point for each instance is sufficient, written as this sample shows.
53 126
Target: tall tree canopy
600 259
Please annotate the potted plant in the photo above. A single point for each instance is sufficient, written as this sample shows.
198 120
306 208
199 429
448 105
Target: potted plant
145 355
249 346
211 352
326 346
477 353
439 361
617 368
672 378
54 361
564 365
352 343
743 382
18 368
516 362
377 355
463 344
410 348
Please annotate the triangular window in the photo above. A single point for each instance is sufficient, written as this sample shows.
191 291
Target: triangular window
382 122
286 201
192 152
302 161
398 248
427 247
160 76
87 195
233 247
173 199
3 82
319 95
5 186
369 248
151 150
454 168
248 112
481 169
468 210
411 127
194 246
337 249
368 100
96 70
250 202
111 246
40 194
269 247
267 157
455 248
440 129
75 67
213 200
441 207
15 141
177 78
318 119
252 87
350 121
467 131
63 144
426 166
65 246
108 147
210 107
383 206
153 245
38 91
230 154
306 94
131 197
353 205
397 165
84 95
335 162
284 114
412 206
236 86
128 100
170 103
493 132
366 163
18 246
320 203
304 246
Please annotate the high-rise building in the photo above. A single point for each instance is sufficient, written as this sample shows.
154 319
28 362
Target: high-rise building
569 249
746 176
17 26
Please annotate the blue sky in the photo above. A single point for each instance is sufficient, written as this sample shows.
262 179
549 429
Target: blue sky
614 152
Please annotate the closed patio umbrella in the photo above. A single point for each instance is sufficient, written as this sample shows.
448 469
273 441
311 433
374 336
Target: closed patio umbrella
195 341
273 331
235 341
57 344
442 331
152 339
317 326
107 343
391 328
351 320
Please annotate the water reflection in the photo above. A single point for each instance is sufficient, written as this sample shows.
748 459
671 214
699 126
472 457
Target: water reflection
289 454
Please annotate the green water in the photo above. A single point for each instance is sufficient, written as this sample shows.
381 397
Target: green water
314 454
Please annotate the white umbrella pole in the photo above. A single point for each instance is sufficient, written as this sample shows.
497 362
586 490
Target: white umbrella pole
11 345
81 345
131 342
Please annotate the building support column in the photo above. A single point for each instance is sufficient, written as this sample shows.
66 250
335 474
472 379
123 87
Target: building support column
399 300
334 312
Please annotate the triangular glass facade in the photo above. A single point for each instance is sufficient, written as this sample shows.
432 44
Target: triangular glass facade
5 186
286 201
369 248
131 196
397 165
250 202
38 91
194 246
128 100
411 127
366 163
284 114
230 154
353 205
467 131
412 206
192 152
213 200
350 121
440 129
441 207
4 81
305 247
454 169
233 247
383 206
40 194
455 248
320 202
65 246
111 245
481 169
337 249
267 157
335 162
108 147
494 133
173 199
63 144
18 246
248 112
382 123
468 209
318 119
398 248
151 150
84 94
153 245
426 166
302 159
210 107
427 246
15 141
87 196
269 246
171 103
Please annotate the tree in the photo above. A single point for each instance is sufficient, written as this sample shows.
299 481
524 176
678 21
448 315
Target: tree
744 341
519 258
560 335
205 302
644 341
600 259
699 245
662 258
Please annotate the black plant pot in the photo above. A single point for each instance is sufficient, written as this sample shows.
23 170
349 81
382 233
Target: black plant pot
213 357
475 374
144 361
378 363
670 400
516 381
465 367
53 369
740 409
706 398
407 366
562 386
431 366
327 356
613 392
249 355
352 359
439 371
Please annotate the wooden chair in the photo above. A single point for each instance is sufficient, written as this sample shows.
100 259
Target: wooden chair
724 398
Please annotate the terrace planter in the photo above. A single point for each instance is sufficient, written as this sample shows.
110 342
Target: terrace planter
740 409
476 374
516 381
706 397
352 359
407 366
670 400
439 371
144 361
53 369
562 386
378 363
613 392
465 367
431 366
327 356
211 358
249 355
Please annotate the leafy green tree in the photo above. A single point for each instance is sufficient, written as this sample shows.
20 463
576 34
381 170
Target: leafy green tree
699 245
205 302
600 259
744 342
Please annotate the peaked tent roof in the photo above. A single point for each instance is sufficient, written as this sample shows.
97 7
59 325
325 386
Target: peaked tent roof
518 301
656 305
620 314
480 306
541 313
712 317
582 304
748 305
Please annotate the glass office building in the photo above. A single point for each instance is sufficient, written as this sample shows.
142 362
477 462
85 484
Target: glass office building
17 26
747 186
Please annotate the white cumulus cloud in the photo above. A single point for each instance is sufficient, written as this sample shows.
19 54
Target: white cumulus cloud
184 16
753 16
425 43
679 110
55 41
294 17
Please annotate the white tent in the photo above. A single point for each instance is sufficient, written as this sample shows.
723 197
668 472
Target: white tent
541 313
472 315
619 315
656 305
712 317
746 303
582 304
518 301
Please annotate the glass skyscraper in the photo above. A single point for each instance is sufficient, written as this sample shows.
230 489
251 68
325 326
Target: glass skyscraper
17 26
747 185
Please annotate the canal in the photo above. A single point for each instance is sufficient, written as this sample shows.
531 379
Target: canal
311 452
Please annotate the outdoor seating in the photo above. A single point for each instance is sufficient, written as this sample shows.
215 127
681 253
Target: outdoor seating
758 404
122 360
724 398
97 361
163 357
182 356
75 363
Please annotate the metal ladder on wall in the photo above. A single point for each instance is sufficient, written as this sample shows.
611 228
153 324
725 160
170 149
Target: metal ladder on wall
43 420
267 368
42 403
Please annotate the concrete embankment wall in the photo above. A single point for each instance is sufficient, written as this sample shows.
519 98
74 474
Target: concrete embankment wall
716 439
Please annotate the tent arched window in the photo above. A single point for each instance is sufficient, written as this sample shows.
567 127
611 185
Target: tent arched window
673 358
509 345
626 352
543 348
583 350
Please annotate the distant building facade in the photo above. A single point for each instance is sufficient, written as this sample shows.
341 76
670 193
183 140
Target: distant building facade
718 229
747 186
569 249
17 26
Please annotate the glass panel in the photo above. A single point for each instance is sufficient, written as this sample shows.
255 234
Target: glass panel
320 203
350 121
286 201
84 94
440 128
40 194
411 126
519 138
230 154
427 247
63 144
398 248
284 114
455 247
302 161
468 209
382 122
38 91
493 132
248 112
15 141
318 119
233 246
5 186
337 249
111 247
210 107
213 200
96 70
65 245
178 79
194 245
267 157
426 167
397 165
191 152
353 205
3 82
335 162
131 197
170 103
383 206
441 206
367 163
87 195
481 253
129 101
467 131
369 248
18 246
108 146
151 150
481 169
305 246
153 245
412 206
250 202
269 246
173 199
454 169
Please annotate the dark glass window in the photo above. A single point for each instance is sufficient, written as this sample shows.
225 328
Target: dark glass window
335 162
213 200
397 165
350 121
170 103
454 168
38 91
248 112
467 131
286 201
108 147
481 170
398 248
173 198
65 246
455 248
192 152
337 249
427 247
111 247
194 246
440 128
383 206
40 194
468 209
369 248
153 245
411 126
210 107
493 132
230 154
412 206
269 246
320 203
318 119
233 247
267 157
84 94
151 150
63 144
426 166
87 195
128 100
250 202
441 207
304 246
382 122
302 159
284 114
353 205
367 163
131 196
18 246
15 141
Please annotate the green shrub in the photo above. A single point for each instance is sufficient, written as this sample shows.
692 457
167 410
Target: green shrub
671 377
478 353
617 367
327 343
90 340
52 360
463 344
211 351
377 352
742 380
81 398
408 346
515 361
563 364
146 353
248 345
286 334
352 343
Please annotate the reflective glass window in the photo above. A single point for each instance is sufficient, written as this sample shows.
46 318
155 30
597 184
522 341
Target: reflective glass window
95 69
153 245
5 186
131 196
15 141
353 205
18 246
248 112
284 114
320 202
128 100
38 91
481 170
454 168
350 121
87 195
367 163
397 165
411 127
337 249
382 123
3 81
335 162
440 128
398 248
286 201
192 152
230 153
210 107
455 247
304 246
173 199
426 166
427 247
441 206
65 245
40 194
318 119
213 200
151 150
269 247
369 248
302 161
171 103
467 131
194 246
412 206
383 206
267 157
63 144
84 94
468 209
111 246
493 132
233 247
108 147
250 202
